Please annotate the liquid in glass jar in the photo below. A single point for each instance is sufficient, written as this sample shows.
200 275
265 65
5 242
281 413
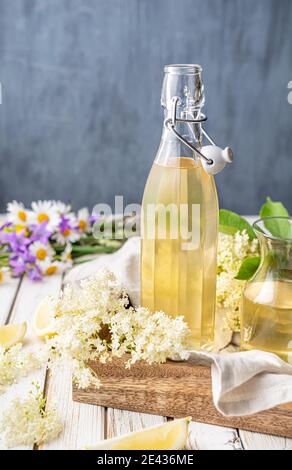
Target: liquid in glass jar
266 321
268 317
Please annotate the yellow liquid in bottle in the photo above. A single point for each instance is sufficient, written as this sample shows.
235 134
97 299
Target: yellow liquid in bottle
176 280
267 318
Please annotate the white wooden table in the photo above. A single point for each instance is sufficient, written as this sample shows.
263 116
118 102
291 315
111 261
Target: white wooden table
86 424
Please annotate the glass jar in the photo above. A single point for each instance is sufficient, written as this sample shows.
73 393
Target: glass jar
266 322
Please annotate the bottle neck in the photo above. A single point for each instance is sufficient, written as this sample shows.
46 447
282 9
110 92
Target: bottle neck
170 146
191 131
182 95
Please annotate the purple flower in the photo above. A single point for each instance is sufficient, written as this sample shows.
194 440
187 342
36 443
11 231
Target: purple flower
18 265
94 218
17 241
21 260
40 233
25 263
34 273
66 225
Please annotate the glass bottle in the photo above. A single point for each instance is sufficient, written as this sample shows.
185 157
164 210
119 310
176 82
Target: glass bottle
267 298
180 215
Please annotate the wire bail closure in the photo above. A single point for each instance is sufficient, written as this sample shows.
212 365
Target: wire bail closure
171 123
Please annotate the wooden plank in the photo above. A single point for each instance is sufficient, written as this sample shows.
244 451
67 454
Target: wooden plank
210 437
176 390
8 292
83 424
201 436
29 295
122 422
258 441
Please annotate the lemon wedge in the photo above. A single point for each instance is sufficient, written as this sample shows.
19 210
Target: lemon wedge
12 334
44 318
169 436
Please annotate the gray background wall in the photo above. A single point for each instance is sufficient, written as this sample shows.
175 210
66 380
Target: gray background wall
80 118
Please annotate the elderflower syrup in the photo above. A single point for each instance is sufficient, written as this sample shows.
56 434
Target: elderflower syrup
180 216
266 322
268 317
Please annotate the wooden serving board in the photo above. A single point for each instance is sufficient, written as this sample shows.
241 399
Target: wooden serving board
174 389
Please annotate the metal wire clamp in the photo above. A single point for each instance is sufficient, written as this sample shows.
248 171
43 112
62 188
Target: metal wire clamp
171 123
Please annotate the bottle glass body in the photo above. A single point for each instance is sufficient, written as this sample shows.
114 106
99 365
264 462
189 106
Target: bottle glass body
180 222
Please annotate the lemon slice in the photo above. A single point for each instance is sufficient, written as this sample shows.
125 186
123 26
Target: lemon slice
169 436
12 334
44 319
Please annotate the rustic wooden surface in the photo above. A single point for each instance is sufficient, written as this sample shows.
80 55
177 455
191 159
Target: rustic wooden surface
86 424
175 390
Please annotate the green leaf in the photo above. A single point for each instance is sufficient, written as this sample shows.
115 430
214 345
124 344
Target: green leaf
273 209
230 223
248 268
278 228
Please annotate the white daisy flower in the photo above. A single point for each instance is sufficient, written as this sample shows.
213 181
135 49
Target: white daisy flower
44 211
17 214
41 251
66 256
66 236
67 230
49 267
83 220
61 208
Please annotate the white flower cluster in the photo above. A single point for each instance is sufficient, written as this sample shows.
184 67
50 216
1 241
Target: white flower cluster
232 250
17 362
94 322
27 422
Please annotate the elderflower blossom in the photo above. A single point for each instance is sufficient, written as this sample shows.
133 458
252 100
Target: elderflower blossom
27 422
94 321
150 337
17 362
232 250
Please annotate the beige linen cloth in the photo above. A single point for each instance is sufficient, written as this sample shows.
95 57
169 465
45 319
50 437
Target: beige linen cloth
243 383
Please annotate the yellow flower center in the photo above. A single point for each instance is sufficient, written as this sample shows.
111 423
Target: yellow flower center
51 270
82 224
42 217
66 232
19 228
1 276
41 254
22 216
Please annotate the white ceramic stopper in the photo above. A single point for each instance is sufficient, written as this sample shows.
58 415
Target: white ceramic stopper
218 156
